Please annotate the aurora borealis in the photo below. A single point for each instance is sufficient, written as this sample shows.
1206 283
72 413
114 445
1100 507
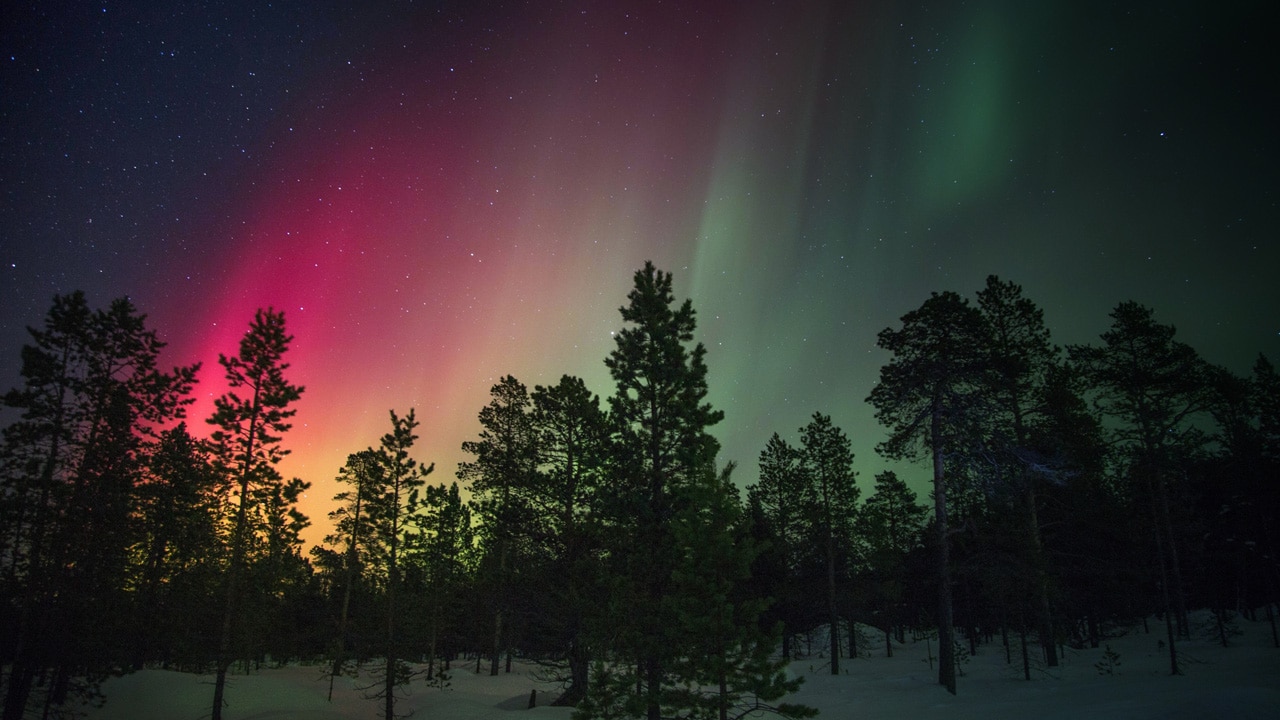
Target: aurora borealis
440 194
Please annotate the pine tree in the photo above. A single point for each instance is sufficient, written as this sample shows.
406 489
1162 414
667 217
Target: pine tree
727 668
827 458
569 427
500 478
660 445
353 530
92 403
785 497
892 522
1153 387
443 546
175 543
929 398
391 507
250 419
1265 401
1094 536
1020 358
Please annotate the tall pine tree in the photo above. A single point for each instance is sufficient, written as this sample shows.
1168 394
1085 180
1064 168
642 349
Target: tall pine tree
785 496
1153 387
443 546
892 522
827 458
353 532
1020 359
500 477
250 419
660 445
929 398
569 434
392 504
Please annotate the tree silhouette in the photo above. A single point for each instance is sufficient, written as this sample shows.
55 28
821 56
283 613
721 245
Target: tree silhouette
176 511
660 445
827 459
393 501
250 419
892 522
1020 358
929 398
443 547
500 478
1153 387
91 403
785 497
353 527
569 432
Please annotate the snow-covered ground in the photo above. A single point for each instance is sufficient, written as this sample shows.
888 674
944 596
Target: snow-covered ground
1241 682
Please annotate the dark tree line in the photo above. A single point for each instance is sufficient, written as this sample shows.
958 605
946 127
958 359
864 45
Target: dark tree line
126 540
1072 490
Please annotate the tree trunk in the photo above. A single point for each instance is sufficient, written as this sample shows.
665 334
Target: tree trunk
434 632
1044 617
653 678
17 690
1168 607
579 672
223 663
1026 656
832 617
1175 572
496 657
946 647
237 560
390 681
22 671
352 557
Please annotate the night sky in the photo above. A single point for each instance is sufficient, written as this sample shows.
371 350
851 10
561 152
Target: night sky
439 194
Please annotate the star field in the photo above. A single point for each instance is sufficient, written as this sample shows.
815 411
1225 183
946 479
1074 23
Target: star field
440 194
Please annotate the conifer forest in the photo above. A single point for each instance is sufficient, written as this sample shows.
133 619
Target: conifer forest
1042 494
